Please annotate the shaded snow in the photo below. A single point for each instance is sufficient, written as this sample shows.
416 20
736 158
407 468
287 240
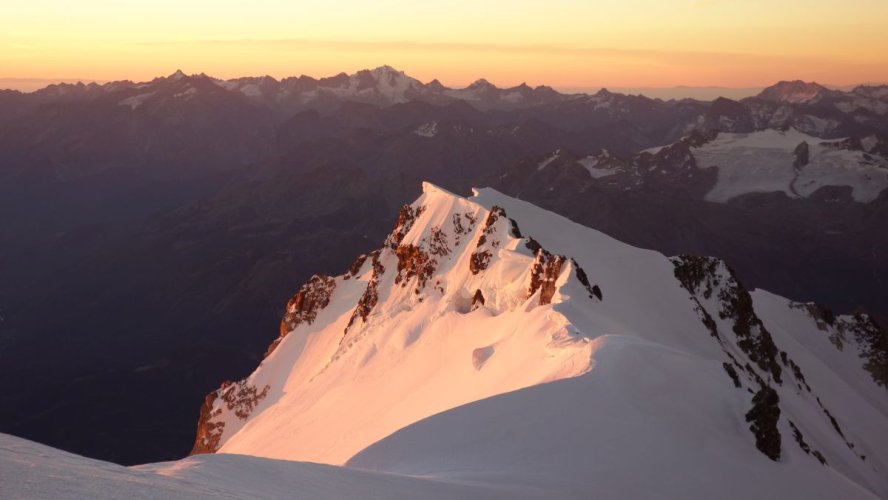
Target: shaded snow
545 163
592 165
136 100
762 162
427 130
29 471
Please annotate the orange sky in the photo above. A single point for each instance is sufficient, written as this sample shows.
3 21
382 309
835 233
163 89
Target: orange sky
568 44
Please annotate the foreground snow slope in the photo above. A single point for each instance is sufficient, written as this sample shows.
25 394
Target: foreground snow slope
635 373
29 471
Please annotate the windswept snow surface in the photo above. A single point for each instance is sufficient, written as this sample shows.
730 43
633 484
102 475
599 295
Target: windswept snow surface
31 471
762 162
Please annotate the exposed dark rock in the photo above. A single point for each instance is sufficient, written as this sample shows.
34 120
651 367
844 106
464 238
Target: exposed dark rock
702 273
406 217
477 299
209 433
544 274
356 266
797 372
764 415
303 307
370 296
594 291
479 261
515 231
732 373
833 421
461 228
873 342
532 245
241 397
481 257
800 155
822 316
693 271
752 336
414 262
797 434
495 214
708 321
438 242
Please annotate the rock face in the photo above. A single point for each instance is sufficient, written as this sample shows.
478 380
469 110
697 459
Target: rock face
304 306
486 301
238 398
763 416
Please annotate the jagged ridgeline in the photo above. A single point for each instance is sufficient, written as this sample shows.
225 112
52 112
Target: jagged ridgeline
470 299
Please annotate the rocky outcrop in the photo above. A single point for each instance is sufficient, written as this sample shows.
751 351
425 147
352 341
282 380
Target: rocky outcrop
209 432
477 300
706 275
858 329
800 439
370 296
763 418
463 224
544 273
406 217
304 306
438 242
414 262
872 340
800 155
594 290
358 264
480 258
239 398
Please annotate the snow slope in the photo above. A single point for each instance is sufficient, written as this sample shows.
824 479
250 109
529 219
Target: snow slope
489 342
29 470
763 161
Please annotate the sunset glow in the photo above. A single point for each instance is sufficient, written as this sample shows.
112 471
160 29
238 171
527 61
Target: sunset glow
563 43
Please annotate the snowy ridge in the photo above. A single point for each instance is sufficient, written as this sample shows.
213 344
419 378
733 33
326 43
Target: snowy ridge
489 313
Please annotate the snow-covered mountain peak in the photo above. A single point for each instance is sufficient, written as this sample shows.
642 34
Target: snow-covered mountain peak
481 84
386 71
471 298
795 92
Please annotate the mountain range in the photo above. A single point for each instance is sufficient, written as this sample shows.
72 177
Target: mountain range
158 225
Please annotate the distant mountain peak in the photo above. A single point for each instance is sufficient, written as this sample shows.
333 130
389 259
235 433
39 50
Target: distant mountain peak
178 75
385 69
795 91
481 83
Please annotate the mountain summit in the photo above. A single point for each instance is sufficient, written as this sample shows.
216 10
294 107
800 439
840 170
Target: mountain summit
489 341
795 92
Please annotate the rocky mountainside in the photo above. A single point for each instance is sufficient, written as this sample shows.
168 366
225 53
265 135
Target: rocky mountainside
488 341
